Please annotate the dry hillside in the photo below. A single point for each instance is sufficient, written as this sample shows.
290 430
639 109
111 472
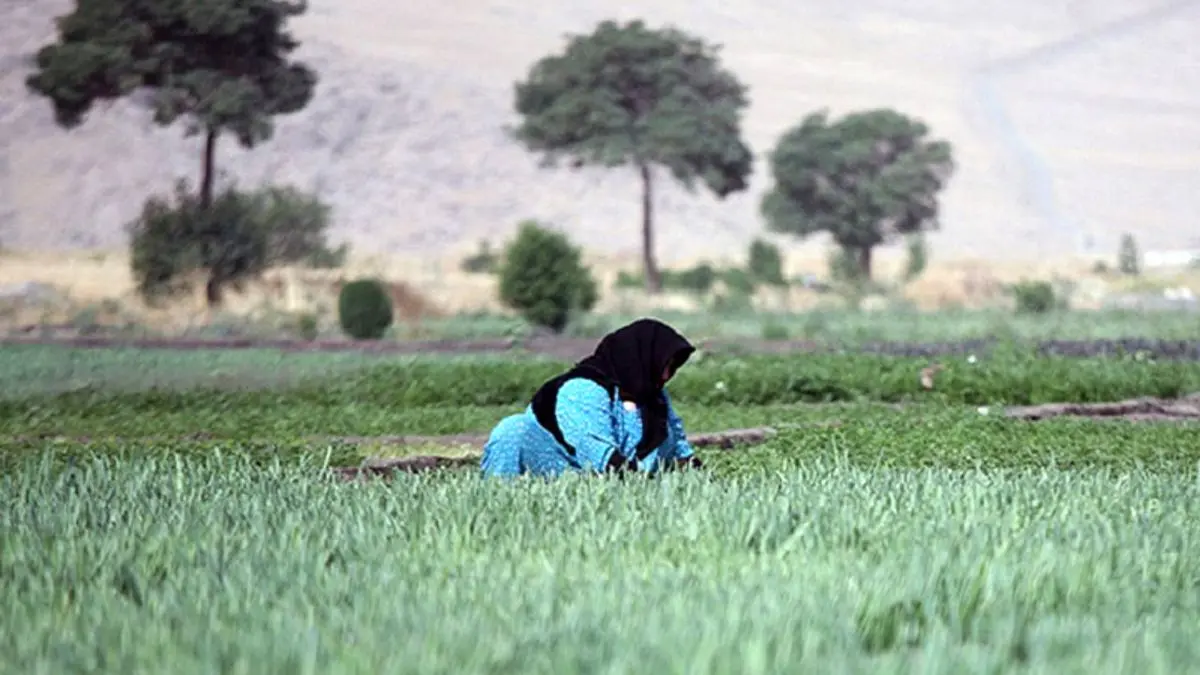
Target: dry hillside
1086 97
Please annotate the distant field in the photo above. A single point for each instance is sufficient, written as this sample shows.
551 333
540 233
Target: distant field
261 394
851 327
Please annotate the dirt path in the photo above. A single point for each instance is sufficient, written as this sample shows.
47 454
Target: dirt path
573 348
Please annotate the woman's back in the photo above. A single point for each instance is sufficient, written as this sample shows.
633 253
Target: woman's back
609 412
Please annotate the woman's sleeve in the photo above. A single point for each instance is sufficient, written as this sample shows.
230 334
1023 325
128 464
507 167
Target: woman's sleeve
584 413
681 448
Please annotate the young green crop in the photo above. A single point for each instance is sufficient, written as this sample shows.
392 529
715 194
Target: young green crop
211 564
864 435
387 386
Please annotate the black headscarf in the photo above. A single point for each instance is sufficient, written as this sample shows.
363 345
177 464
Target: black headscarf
629 361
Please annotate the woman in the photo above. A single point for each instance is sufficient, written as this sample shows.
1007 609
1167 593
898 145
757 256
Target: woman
608 413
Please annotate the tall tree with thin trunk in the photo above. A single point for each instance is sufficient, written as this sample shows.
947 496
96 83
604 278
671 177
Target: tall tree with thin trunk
630 95
866 179
220 65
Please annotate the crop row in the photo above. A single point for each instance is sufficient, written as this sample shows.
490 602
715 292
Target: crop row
211 564
389 385
868 435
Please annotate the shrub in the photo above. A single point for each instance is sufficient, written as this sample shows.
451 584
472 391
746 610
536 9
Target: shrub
483 261
544 279
627 279
918 257
765 263
307 326
738 281
1128 260
775 330
731 303
698 279
1034 297
233 239
843 268
364 309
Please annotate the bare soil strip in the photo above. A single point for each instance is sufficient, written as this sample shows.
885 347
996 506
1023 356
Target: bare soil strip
574 348
1146 409
416 464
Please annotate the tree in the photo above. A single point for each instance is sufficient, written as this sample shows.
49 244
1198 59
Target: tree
220 64
1128 260
544 279
765 263
629 95
866 179
232 239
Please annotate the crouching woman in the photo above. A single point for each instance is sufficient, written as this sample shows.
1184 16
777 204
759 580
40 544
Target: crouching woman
609 413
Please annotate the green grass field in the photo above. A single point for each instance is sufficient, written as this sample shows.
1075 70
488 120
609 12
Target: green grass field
171 512
849 326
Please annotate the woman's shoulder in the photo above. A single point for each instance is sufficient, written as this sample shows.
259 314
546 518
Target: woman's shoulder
583 388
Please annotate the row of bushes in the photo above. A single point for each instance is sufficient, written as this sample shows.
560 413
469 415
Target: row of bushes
542 276
541 273
999 378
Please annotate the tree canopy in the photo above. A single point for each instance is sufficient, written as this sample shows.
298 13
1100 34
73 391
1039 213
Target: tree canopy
220 64
866 179
630 95
234 238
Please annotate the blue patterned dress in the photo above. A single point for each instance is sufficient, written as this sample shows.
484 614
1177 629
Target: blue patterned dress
596 423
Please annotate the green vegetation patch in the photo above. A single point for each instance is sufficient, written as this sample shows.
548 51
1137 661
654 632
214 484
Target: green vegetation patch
216 563
343 394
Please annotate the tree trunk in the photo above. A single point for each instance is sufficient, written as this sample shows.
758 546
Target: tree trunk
207 168
863 257
650 265
212 291
212 288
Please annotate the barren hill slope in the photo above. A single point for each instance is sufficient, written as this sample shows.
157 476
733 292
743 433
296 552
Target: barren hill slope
405 135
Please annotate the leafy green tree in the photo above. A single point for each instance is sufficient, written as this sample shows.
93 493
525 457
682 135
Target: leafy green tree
234 238
765 263
222 65
630 95
1128 259
543 277
866 179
